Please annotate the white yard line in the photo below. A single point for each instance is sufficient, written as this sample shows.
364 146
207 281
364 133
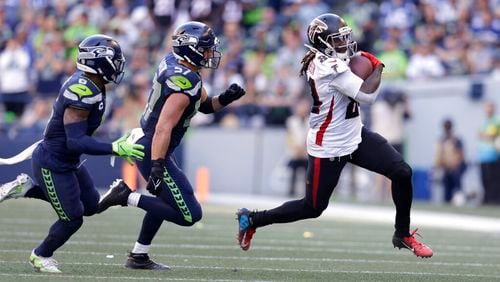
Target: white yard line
359 212
88 277
315 242
389 251
469 275
246 258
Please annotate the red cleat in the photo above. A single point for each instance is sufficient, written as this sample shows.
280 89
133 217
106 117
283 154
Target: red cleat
245 232
410 243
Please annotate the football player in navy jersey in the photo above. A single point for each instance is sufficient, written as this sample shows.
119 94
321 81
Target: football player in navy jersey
176 96
60 177
337 136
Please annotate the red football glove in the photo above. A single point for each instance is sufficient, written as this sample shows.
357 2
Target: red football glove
374 60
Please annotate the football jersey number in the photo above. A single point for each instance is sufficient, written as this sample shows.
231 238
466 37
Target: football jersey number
316 102
352 109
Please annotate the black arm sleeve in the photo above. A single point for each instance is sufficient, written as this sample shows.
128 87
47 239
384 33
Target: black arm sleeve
77 140
207 107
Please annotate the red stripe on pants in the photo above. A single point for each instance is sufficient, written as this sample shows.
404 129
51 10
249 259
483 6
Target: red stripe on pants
316 170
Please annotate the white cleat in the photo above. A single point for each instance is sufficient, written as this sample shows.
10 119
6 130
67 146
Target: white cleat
16 188
41 264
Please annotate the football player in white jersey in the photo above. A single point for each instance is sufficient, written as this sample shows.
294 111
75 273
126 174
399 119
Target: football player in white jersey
337 136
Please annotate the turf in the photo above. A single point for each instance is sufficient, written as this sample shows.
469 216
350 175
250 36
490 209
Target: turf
337 251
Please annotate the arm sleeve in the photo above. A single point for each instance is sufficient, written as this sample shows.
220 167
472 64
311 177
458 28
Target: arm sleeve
347 83
207 107
77 140
365 98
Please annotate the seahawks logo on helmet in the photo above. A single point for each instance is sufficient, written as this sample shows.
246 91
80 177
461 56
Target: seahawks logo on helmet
96 52
183 40
316 27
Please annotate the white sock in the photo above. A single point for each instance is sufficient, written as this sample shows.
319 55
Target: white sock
133 199
140 248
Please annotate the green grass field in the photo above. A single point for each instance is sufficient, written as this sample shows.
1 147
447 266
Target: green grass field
338 251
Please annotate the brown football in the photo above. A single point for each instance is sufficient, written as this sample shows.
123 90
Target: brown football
361 66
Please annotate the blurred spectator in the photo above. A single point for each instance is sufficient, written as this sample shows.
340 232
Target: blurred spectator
453 55
398 13
394 59
60 11
309 9
286 65
391 106
362 16
297 126
266 34
122 28
14 77
36 118
489 155
428 30
450 159
424 64
479 58
50 66
5 30
76 32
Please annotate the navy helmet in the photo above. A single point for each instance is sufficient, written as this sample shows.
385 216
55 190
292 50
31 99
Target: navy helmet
196 43
101 55
329 34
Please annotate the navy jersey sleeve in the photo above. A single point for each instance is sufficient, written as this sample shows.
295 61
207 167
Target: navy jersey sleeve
82 96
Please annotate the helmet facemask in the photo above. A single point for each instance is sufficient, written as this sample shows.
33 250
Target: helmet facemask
211 55
119 65
340 44
200 56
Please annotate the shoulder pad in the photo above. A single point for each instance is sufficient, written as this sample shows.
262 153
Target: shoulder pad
329 66
83 91
179 82
189 83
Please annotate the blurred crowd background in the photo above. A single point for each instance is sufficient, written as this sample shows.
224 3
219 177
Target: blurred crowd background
262 44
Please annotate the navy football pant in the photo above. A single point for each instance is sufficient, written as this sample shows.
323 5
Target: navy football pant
72 195
176 202
373 153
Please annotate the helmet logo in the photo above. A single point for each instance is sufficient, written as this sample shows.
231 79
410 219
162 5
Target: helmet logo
316 27
95 52
183 39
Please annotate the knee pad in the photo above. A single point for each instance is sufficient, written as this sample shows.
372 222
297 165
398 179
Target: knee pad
402 171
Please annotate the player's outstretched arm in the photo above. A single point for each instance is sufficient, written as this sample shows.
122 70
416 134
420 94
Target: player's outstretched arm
210 105
170 115
76 126
372 82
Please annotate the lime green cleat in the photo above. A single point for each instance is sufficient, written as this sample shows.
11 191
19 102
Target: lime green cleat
16 188
41 264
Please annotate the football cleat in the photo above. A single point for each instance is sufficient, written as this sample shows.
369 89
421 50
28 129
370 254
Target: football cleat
42 264
142 261
245 231
16 188
410 243
116 195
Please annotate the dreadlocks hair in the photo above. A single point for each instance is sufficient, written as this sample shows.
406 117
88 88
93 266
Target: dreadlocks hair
306 60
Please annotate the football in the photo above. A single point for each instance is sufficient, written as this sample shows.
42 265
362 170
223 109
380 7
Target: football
361 66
